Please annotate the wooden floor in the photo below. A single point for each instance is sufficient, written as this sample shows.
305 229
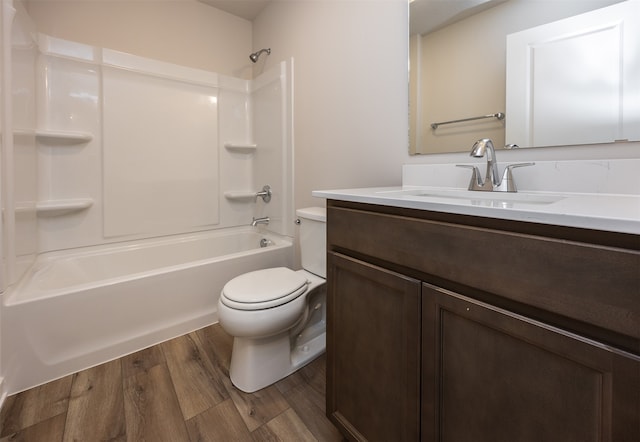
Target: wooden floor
176 391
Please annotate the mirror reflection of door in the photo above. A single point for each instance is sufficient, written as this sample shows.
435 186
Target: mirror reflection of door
577 80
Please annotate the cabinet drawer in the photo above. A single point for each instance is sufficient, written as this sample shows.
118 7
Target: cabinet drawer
587 282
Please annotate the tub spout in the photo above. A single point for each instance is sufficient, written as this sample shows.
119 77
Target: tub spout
263 220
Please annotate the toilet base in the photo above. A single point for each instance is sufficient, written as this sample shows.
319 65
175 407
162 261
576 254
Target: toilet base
258 363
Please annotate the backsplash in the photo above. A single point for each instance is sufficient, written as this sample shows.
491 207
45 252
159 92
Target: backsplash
615 176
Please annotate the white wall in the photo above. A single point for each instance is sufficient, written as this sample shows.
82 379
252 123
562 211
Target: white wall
350 90
351 95
184 32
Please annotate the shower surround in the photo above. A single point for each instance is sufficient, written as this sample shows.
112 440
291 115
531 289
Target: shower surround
114 153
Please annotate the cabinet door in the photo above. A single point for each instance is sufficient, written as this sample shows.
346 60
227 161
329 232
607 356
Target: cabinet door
373 351
491 375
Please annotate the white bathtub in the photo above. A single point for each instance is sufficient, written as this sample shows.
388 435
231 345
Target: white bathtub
79 308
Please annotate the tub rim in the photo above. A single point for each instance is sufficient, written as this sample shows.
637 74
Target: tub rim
11 296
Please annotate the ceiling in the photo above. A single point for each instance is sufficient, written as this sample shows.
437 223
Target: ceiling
430 15
247 9
425 15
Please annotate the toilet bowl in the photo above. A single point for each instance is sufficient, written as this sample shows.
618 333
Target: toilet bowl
277 316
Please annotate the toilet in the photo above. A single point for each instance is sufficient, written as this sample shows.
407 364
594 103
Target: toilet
277 316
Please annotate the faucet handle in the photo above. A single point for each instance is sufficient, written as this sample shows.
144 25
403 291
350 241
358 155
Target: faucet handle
508 184
476 182
265 194
514 165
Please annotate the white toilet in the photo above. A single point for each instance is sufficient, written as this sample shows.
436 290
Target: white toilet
277 316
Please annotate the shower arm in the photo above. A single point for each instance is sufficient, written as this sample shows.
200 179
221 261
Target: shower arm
254 57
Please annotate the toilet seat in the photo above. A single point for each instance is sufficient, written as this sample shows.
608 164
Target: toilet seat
263 289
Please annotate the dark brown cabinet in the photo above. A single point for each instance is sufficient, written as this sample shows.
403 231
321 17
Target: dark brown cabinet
498 376
374 368
455 329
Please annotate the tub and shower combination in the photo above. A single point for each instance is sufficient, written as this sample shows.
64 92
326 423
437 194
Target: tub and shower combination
79 308
189 163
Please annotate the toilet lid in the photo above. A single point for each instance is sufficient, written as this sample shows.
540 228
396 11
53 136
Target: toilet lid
263 289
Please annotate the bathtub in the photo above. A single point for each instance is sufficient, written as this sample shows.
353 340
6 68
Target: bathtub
79 308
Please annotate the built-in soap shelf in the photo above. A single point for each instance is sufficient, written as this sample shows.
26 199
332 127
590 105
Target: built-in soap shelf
62 137
62 206
240 147
240 195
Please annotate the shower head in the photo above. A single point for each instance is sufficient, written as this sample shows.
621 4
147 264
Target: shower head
254 57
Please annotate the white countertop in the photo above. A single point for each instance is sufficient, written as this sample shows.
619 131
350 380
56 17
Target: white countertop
599 211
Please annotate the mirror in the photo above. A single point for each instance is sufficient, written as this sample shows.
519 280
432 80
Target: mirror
458 65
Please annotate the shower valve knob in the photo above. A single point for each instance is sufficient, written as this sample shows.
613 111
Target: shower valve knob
265 194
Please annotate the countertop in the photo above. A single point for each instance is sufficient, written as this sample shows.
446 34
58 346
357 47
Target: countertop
598 211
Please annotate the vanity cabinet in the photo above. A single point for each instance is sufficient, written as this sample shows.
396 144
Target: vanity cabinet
374 374
447 327
498 376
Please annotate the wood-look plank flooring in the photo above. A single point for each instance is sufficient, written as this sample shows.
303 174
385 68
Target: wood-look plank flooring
176 391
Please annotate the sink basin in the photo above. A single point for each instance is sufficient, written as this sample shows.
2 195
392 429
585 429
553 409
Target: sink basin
489 199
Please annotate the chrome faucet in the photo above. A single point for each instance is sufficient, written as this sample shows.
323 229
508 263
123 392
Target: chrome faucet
263 220
492 181
478 150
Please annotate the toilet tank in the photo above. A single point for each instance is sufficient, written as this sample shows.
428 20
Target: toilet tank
313 239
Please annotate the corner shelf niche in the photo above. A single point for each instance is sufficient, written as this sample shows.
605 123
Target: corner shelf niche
241 147
62 137
62 206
